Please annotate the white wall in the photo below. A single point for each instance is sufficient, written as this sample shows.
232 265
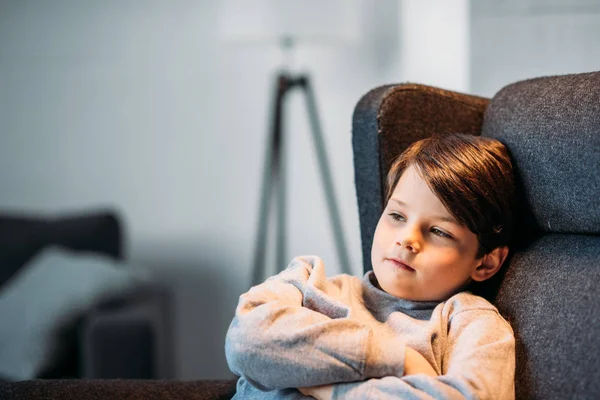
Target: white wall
513 40
434 43
137 105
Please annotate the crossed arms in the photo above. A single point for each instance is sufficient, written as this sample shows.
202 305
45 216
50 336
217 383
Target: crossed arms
276 342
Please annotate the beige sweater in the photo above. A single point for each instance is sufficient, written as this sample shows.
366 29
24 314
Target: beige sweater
301 329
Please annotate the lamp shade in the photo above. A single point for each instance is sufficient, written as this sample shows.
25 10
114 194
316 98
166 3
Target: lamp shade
270 21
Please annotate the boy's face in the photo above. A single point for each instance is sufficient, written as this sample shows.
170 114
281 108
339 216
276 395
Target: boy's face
420 252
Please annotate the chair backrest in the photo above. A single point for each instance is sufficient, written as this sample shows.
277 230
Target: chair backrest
550 288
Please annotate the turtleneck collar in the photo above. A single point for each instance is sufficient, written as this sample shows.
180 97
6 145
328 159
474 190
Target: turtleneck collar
383 303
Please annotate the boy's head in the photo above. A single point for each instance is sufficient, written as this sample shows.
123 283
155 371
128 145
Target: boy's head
447 219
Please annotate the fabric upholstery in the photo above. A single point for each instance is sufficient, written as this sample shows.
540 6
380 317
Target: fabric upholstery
385 122
22 236
550 290
124 349
552 128
550 296
116 389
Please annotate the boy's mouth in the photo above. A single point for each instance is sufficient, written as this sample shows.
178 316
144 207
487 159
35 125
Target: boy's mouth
401 264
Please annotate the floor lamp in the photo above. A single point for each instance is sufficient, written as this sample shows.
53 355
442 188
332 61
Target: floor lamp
274 178
287 23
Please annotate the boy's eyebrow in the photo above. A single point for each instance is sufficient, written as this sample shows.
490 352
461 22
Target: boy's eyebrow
446 219
397 201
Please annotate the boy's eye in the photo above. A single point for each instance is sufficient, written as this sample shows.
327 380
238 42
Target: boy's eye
440 233
396 216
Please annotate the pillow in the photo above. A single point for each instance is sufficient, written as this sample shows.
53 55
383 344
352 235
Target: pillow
53 289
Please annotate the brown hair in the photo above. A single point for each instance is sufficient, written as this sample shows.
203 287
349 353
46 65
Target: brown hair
472 176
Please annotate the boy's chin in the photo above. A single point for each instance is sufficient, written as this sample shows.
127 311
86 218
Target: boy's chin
411 296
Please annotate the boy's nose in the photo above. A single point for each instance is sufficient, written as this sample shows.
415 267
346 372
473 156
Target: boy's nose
412 246
410 241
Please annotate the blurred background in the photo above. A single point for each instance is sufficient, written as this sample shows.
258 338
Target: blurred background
159 111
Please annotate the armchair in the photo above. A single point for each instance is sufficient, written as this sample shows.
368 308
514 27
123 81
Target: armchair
549 291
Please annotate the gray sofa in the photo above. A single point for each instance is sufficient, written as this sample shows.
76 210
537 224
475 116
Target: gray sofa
549 290
116 334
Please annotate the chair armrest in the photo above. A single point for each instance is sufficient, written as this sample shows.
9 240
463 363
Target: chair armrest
128 339
118 390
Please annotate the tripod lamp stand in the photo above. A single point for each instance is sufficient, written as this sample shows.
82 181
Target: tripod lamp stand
285 23
274 179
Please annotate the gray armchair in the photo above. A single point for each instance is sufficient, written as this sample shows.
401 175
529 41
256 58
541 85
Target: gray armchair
551 287
549 291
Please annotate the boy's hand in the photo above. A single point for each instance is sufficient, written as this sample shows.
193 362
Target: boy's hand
324 392
415 363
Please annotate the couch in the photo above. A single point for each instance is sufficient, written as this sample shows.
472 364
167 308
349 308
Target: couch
548 291
93 329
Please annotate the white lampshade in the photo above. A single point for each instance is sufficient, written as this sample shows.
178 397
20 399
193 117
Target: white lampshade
304 21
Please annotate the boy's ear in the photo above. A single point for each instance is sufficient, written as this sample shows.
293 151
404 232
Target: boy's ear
490 264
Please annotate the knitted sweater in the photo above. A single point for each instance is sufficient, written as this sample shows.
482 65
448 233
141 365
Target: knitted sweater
301 329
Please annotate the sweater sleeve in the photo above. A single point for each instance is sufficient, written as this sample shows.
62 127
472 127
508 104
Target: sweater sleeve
275 342
479 364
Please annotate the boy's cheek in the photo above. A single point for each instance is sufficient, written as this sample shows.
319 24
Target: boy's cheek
384 235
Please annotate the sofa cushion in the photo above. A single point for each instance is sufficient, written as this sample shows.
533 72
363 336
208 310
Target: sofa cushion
551 126
55 287
550 295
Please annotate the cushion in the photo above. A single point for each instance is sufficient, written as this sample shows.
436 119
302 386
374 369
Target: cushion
53 289
551 126
550 295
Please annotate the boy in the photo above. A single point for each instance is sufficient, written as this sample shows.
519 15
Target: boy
410 328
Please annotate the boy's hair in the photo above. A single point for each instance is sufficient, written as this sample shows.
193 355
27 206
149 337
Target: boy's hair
472 176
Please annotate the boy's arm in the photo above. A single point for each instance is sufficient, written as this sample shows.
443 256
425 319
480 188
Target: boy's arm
479 364
414 363
274 342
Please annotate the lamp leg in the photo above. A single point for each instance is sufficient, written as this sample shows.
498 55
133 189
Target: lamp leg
280 246
328 186
272 176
